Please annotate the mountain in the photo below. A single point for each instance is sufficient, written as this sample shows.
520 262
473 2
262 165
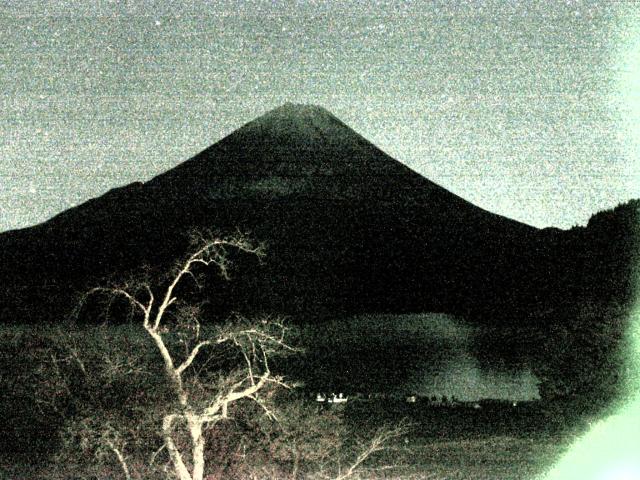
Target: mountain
348 230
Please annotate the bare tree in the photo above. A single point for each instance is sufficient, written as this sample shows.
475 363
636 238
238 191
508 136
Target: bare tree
379 442
317 443
174 327
180 381
341 467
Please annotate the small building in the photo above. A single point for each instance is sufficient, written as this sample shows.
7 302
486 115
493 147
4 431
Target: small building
333 398
340 398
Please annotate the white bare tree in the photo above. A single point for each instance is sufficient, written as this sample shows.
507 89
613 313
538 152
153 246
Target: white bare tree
378 443
166 319
200 395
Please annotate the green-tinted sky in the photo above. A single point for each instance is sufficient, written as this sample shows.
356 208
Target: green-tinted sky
528 109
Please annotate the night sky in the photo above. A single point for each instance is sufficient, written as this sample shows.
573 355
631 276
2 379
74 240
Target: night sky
528 109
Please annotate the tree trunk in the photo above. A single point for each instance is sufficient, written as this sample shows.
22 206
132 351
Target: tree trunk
296 461
197 441
178 464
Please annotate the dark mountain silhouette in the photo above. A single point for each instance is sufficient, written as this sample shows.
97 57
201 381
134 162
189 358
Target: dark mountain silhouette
349 230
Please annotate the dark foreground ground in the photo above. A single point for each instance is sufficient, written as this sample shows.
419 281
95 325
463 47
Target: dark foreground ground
444 443
497 441
492 442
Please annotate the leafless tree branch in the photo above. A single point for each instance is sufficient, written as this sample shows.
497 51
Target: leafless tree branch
255 343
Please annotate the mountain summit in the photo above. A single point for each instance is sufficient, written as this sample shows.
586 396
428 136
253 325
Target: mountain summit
297 150
303 128
312 125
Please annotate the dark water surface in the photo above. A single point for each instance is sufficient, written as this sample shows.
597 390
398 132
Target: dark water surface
428 354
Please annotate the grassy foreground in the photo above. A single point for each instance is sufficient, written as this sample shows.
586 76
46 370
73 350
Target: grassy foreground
494 442
416 457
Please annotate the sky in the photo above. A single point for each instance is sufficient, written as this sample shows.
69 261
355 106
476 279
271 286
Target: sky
530 109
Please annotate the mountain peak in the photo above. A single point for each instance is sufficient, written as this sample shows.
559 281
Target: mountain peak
302 119
290 108
301 112
296 149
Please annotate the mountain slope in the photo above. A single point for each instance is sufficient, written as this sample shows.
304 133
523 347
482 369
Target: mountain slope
298 150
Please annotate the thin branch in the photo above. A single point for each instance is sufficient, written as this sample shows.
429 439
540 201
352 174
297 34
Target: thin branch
119 291
121 459
268 412
152 459
194 353
247 361
377 443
